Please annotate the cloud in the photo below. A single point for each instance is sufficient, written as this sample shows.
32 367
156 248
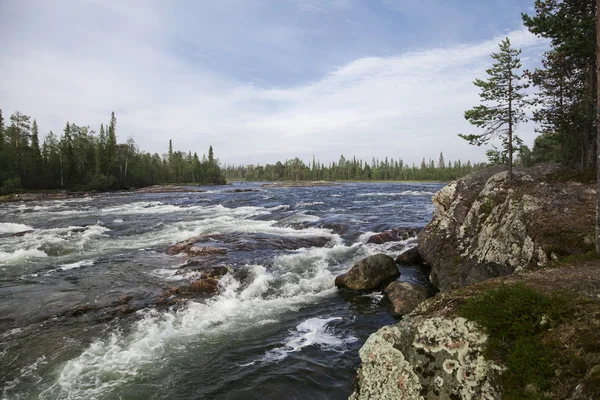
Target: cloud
179 75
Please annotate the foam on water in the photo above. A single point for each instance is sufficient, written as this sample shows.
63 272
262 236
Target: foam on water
79 264
294 281
9 227
312 332
20 254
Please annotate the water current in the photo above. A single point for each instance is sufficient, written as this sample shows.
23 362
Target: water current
277 329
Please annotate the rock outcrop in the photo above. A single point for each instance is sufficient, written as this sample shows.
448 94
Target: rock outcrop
435 353
405 296
370 273
484 227
426 358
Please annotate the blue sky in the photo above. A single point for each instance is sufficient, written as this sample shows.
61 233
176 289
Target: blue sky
261 80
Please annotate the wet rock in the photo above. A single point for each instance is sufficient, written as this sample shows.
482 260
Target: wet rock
405 296
196 251
394 235
242 190
485 227
183 246
22 233
369 273
409 257
205 286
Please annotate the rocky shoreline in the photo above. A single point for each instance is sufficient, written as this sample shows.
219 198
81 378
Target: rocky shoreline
518 310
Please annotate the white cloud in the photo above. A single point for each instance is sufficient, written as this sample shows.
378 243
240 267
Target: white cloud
143 67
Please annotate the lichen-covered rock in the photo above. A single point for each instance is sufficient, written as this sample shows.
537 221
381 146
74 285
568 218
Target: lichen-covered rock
369 273
405 296
426 358
484 227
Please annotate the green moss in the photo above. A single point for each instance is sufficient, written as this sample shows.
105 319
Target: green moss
515 317
579 258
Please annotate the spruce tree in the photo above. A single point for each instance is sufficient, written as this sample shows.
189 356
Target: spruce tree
36 155
111 142
504 101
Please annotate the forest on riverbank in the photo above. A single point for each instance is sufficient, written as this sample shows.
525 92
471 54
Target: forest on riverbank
81 159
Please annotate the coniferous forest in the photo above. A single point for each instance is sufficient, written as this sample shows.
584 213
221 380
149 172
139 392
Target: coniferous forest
81 159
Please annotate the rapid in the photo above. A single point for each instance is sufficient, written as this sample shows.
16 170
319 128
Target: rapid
277 329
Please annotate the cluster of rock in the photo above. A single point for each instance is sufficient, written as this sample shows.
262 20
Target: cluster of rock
380 272
483 227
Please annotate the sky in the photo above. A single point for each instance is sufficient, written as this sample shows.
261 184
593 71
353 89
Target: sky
262 80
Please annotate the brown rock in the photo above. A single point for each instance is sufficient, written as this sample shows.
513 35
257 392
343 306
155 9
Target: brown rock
409 257
369 273
405 296
196 251
207 285
394 235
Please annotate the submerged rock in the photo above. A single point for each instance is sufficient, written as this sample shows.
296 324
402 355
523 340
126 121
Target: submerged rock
405 296
484 227
369 273
394 235
242 190
196 251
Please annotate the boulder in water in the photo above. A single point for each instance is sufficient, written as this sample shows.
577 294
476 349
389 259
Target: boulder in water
205 286
369 273
405 296
394 235
409 257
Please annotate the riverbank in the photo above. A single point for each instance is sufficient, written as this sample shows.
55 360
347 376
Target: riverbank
519 308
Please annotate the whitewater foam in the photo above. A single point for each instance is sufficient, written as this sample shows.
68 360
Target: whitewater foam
78 264
312 332
21 254
9 227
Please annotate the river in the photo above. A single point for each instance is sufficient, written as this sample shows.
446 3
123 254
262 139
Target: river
278 329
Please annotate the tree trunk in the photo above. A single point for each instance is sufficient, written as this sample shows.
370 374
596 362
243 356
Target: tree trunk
510 128
598 128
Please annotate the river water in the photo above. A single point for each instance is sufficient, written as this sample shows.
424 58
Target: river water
278 329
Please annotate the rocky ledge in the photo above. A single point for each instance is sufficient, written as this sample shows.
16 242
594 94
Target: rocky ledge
518 311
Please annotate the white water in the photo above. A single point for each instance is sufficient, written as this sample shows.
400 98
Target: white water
312 332
9 227
296 280
92 241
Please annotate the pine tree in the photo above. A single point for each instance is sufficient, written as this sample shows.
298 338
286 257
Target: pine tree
504 92
211 156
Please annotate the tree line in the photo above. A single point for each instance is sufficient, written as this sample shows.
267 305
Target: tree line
352 169
81 159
